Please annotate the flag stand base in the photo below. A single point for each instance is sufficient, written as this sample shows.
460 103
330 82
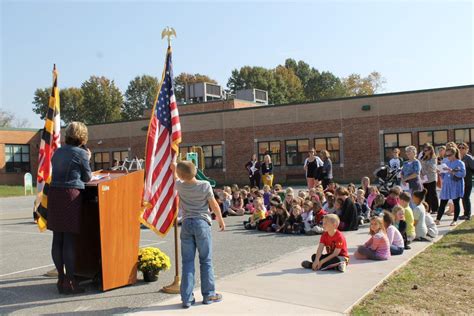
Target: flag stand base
173 288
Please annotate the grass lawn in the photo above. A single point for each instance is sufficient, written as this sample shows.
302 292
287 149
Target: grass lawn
14 190
439 281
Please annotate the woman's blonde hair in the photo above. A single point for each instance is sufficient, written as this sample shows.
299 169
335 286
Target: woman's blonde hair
410 148
76 134
325 154
267 158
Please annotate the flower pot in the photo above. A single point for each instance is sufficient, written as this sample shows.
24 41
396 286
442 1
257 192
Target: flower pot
150 276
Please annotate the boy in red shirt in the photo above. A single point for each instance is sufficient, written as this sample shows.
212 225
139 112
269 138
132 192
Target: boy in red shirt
334 242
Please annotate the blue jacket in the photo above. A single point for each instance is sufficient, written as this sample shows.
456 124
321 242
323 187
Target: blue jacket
70 168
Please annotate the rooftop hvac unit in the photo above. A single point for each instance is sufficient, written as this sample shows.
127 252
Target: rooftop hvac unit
202 92
254 95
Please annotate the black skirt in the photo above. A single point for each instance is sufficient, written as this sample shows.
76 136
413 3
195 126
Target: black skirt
64 210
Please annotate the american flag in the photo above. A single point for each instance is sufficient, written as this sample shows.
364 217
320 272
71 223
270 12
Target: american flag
164 135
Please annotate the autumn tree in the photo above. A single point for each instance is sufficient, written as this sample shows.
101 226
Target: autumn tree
71 104
355 85
140 95
102 100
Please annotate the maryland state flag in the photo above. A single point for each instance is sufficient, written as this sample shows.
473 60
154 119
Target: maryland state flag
50 141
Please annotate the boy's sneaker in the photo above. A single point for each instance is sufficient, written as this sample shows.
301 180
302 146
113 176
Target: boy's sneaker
342 266
212 299
188 304
307 264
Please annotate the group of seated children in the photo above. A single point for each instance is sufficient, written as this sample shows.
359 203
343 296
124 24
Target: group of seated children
390 234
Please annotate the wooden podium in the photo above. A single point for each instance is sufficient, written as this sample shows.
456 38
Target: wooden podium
107 247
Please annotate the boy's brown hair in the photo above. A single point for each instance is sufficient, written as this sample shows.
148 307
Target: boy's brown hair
186 170
405 196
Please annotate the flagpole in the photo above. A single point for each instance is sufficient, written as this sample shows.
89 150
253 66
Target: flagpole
173 288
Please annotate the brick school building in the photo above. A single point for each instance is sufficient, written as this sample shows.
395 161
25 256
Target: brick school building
359 133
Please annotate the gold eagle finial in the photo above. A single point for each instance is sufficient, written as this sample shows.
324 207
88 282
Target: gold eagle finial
168 32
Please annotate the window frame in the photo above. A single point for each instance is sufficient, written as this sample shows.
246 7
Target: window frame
470 141
432 142
17 166
330 151
402 148
299 157
213 157
120 152
269 152
102 153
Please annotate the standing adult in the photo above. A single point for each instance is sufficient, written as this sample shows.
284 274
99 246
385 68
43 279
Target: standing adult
312 167
267 171
327 168
430 175
469 164
253 168
411 170
70 170
453 183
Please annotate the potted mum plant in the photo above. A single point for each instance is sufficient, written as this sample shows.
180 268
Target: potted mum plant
151 261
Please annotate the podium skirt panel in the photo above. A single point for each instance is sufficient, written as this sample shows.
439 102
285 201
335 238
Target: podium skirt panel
64 210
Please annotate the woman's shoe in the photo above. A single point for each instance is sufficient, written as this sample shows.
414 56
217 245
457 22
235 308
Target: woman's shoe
60 284
453 223
437 222
72 287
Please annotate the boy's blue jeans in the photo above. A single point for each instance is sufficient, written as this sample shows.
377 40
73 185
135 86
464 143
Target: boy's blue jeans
196 234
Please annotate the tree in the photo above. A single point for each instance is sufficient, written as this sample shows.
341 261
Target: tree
184 78
288 87
282 84
102 100
355 85
70 107
324 85
8 119
140 95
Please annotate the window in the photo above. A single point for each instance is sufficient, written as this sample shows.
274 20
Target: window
120 156
465 136
331 144
101 161
17 158
396 140
435 138
213 156
270 148
296 151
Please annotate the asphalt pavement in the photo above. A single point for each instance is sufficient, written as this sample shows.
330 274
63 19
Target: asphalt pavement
25 257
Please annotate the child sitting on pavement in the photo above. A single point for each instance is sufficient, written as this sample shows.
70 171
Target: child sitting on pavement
334 242
377 205
395 238
307 215
363 211
258 214
405 203
237 204
294 223
318 215
378 246
399 223
419 216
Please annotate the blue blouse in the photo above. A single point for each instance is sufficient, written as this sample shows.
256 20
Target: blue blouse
411 167
453 185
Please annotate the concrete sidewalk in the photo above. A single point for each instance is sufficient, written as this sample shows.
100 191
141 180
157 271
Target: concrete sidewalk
282 287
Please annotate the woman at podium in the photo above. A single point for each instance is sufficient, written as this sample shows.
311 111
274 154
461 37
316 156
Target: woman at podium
70 171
